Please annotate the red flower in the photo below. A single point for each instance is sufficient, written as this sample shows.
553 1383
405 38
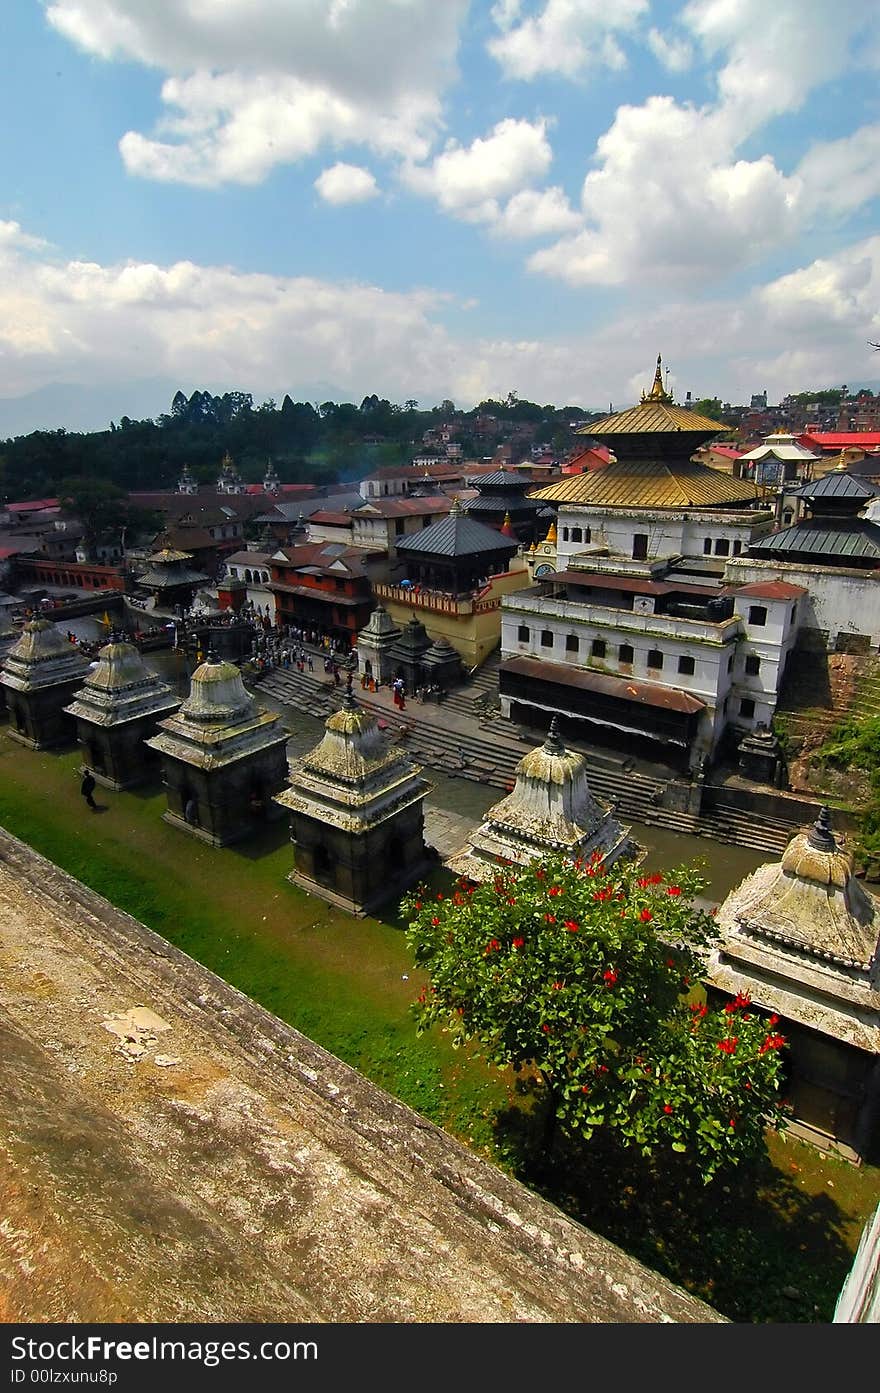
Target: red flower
518 942
550 918
540 873
572 926
557 986
434 923
439 897
643 882
728 1046
584 1088
610 977
492 946
418 904
772 1042
646 915
667 1108
670 962
554 890
774 1020
697 1010
673 890
546 1029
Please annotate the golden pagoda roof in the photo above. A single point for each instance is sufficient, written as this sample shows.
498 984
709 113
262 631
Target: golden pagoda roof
651 484
656 414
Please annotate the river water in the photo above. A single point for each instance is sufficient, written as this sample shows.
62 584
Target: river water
723 866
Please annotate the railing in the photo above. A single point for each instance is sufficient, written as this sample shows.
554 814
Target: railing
421 598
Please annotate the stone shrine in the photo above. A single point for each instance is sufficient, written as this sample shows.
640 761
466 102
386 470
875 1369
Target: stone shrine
356 814
8 637
441 665
373 645
118 707
40 674
800 936
406 653
551 811
223 757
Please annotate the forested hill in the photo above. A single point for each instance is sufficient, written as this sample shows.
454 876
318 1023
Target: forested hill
322 443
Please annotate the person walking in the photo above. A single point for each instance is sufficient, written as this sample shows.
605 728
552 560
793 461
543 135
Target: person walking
87 788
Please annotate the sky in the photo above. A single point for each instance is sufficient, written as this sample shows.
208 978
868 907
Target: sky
433 199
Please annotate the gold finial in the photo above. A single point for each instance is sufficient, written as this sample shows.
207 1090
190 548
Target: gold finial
658 392
551 534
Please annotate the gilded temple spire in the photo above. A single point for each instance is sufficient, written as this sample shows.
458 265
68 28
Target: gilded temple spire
658 392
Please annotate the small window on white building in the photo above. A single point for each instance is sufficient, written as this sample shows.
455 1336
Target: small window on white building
523 633
753 664
686 666
546 638
747 708
655 658
572 643
722 547
625 653
565 534
737 548
707 546
598 648
758 615
577 534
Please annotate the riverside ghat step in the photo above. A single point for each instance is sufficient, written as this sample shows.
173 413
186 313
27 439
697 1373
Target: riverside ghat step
445 740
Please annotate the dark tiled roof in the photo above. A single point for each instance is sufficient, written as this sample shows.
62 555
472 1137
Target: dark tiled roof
456 535
848 539
837 484
625 688
503 503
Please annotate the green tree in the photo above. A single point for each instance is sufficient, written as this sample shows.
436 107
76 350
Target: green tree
584 977
709 406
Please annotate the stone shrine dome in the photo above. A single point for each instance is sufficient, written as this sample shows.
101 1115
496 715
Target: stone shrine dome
550 811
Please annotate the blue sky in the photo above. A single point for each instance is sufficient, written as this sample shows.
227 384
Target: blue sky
434 198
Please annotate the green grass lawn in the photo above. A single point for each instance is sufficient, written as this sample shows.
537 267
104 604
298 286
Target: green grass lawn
774 1245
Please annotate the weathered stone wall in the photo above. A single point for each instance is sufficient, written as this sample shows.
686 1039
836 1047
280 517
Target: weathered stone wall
200 1160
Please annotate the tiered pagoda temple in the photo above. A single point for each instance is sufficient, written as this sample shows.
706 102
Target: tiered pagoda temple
551 811
40 674
356 814
223 757
456 555
118 707
653 443
502 502
171 578
801 936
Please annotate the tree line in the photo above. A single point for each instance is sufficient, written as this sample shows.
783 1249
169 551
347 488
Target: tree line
326 442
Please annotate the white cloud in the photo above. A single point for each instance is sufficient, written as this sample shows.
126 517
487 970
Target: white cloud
563 36
775 54
468 181
256 83
81 322
670 202
537 213
675 54
840 175
346 183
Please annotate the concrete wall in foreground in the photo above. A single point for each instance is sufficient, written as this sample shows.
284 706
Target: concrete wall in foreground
201 1160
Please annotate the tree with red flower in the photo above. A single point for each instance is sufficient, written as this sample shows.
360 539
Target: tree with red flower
624 1046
